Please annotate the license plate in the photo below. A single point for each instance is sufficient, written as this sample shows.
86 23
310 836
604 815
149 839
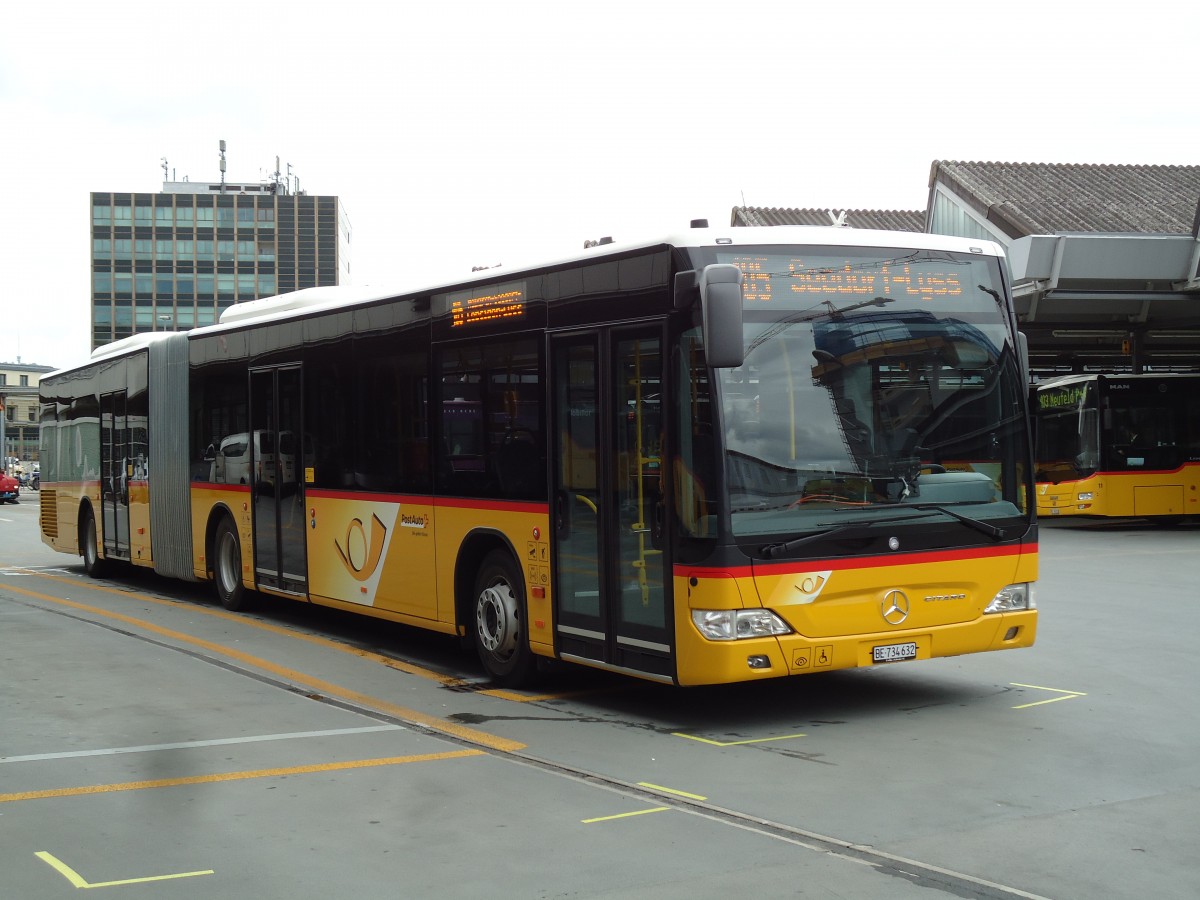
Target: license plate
893 652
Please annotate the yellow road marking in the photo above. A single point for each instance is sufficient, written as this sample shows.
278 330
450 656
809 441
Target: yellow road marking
1066 695
692 737
324 687
234 776
399 665
667 790
640 812
78 881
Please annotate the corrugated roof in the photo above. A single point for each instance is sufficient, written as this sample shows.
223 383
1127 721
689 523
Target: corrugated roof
886 219
1050 198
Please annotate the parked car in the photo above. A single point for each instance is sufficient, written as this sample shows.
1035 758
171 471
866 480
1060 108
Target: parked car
10 488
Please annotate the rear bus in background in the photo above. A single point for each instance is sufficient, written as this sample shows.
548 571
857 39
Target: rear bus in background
726 454
1119 446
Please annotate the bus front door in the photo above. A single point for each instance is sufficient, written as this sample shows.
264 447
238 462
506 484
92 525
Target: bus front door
612 606
277 479
115 466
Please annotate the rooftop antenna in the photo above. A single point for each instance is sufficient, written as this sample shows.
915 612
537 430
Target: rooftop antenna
164 167
222 167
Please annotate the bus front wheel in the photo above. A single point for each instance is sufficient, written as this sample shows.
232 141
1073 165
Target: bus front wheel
227 566
499 626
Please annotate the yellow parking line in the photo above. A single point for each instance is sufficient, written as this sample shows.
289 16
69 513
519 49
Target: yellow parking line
640 812
324 687
667 790
1065 695
233 776
78 881
692 737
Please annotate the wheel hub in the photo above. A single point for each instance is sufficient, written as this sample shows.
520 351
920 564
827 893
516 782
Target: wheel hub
496 619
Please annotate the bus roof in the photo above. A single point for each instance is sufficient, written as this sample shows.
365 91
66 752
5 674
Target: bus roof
315 299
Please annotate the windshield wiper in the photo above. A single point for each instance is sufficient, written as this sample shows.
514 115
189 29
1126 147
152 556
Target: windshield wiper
770 551
984 527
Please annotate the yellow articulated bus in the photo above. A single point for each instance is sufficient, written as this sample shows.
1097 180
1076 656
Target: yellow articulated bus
1119 446
724 455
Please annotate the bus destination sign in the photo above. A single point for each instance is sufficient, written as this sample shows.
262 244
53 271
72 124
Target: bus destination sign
480 306
772 279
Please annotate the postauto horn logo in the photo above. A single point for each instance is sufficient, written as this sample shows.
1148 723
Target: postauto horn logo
362 565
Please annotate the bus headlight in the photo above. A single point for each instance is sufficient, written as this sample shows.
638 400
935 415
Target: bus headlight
737 624
1086 495
1015 596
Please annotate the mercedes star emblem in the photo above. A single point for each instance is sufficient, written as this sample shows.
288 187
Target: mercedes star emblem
894 607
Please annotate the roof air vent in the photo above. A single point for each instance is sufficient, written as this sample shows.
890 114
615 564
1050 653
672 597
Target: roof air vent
699 223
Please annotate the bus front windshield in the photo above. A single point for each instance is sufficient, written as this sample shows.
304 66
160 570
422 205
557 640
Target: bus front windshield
876 384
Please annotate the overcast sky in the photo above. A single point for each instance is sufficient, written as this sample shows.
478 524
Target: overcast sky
471 133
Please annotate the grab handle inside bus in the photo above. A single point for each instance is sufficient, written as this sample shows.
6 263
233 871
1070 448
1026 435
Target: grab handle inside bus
721 304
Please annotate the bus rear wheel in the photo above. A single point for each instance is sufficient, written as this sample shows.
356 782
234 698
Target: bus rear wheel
227 566
499 622
89 547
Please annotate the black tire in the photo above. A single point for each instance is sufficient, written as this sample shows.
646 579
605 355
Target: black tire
227 566
498 622
90 548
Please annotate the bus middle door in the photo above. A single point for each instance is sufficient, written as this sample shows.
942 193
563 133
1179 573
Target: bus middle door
115 466
277 479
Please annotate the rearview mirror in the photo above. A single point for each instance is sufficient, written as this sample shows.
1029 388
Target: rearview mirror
721 302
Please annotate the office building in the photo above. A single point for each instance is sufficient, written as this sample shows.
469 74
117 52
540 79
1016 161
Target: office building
19 409
176 259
